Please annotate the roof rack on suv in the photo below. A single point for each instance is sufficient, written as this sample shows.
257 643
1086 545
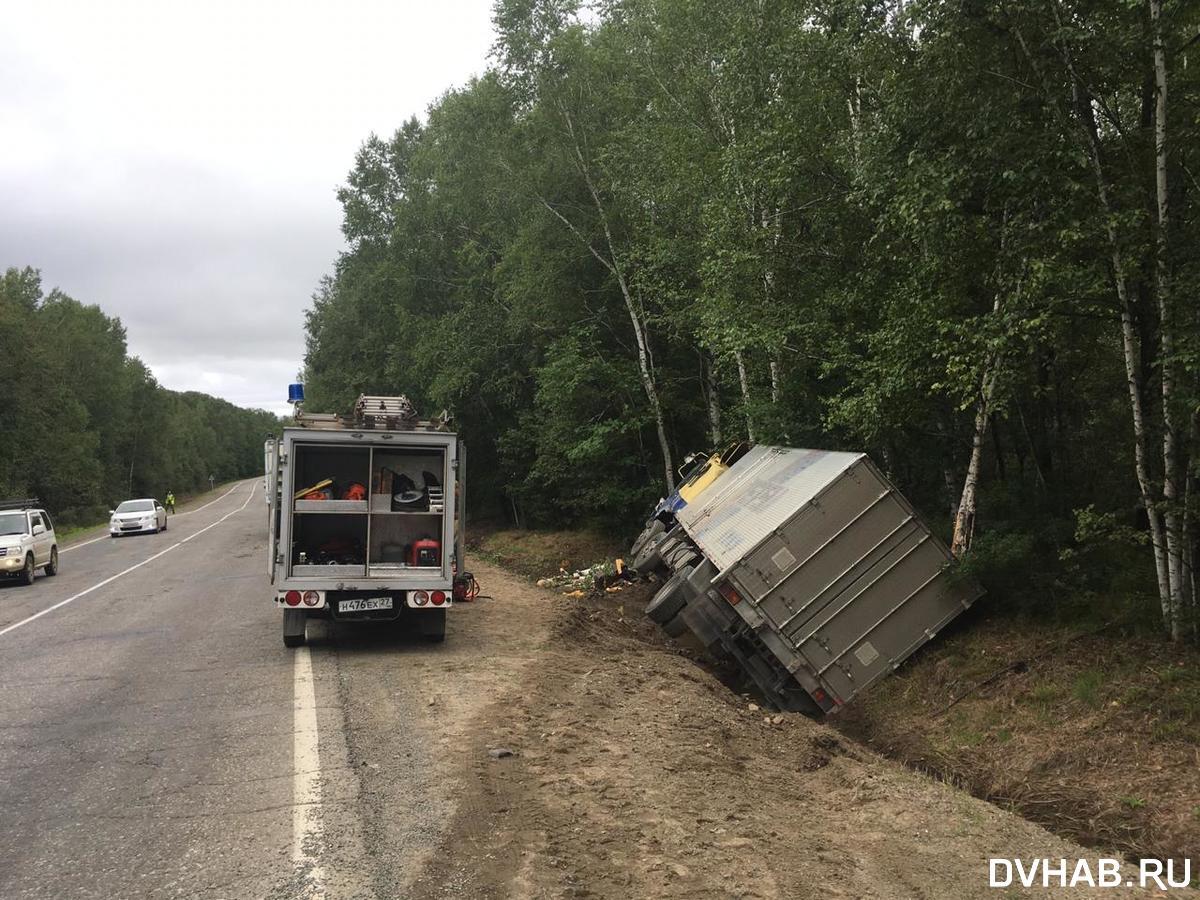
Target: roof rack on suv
28 503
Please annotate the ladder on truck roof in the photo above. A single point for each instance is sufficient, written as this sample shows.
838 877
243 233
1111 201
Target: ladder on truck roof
27 503
391 412
384 413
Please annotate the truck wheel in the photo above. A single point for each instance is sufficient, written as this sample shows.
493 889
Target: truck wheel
27 573
650 532
433 626
670 599
680 555
52 566
294 622
651 557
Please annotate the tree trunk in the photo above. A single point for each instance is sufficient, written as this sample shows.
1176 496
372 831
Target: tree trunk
1172 469
1131 349
964 517
741 366
775 381
714 401
952 492
854 105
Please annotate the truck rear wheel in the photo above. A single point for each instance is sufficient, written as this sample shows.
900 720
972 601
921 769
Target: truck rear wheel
651 531
294 622
433 625
670 599
651 557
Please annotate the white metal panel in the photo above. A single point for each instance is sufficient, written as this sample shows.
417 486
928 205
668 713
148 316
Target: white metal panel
761 492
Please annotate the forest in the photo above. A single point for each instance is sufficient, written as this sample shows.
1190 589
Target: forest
960 237
87 425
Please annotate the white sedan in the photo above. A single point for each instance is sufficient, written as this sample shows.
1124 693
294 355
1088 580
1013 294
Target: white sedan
135 516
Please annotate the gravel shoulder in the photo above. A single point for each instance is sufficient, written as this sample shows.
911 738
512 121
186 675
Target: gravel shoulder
634 773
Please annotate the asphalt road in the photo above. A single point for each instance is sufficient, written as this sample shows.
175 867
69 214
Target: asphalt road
156 738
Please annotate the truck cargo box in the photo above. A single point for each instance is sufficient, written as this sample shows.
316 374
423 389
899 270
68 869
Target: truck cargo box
813 572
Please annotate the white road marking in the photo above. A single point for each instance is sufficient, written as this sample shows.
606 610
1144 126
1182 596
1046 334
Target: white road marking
62 550
112 578
307 824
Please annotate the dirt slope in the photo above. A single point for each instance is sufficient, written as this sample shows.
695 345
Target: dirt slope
637 774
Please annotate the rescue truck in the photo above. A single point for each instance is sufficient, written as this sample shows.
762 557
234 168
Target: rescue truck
365 517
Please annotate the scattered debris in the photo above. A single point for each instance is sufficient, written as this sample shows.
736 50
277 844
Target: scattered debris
610 576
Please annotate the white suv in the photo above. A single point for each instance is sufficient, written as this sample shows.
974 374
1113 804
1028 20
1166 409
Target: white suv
27 540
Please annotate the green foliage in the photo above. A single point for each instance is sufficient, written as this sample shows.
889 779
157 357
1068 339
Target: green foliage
872 207
89 426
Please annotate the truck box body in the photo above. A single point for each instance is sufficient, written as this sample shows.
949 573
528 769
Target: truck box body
816 574
309 456
365 519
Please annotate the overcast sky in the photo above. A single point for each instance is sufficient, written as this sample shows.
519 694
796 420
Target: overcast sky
176 163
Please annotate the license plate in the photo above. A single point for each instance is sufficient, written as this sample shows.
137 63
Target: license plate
362 604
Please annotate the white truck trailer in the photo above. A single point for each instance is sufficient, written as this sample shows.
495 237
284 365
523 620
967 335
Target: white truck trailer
365 519
805 567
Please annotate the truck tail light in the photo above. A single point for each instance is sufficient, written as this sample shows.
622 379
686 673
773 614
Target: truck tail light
437 598
730 593
824 700
292 598
420 597
311 598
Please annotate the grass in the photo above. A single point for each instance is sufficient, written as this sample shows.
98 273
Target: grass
1172 693
537 554
66 535
1095 737
1087 688
1044 694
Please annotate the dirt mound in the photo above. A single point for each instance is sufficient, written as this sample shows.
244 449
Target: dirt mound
636 773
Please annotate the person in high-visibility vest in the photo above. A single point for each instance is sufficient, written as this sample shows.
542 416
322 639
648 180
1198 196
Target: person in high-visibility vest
170 502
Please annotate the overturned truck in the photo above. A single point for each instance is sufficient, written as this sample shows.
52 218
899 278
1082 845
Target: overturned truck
805 567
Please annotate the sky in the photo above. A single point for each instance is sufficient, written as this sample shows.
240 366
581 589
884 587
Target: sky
176 163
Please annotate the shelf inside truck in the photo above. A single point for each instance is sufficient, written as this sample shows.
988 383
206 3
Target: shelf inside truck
405 512
331 506
388 570
331 571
